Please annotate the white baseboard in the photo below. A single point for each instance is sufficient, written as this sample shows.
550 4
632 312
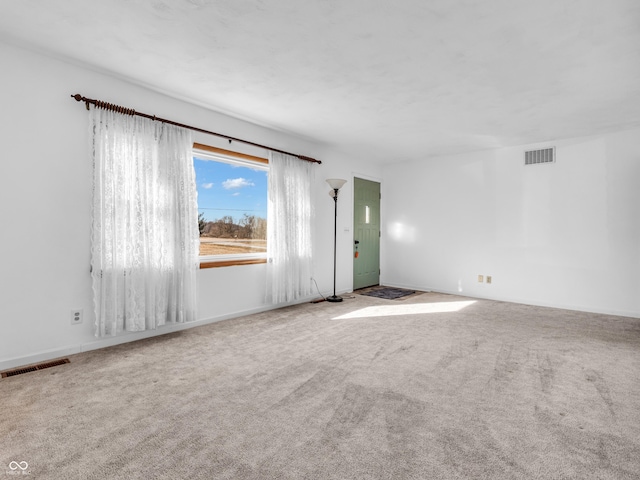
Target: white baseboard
47 355
562 306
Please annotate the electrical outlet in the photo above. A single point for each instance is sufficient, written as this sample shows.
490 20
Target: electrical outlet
76 316
488 278
480 278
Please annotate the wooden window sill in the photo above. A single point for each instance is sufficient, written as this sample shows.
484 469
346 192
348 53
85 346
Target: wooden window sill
231 263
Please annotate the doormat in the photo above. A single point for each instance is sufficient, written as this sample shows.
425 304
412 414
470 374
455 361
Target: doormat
389 293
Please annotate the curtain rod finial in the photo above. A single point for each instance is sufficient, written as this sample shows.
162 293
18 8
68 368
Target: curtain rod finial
309 159
79 98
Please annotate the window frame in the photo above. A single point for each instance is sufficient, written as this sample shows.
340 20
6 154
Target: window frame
215 261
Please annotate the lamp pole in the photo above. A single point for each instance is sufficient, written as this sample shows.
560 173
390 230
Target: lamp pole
335 184
334 298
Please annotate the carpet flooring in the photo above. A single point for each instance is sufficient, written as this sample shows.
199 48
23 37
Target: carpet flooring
433 387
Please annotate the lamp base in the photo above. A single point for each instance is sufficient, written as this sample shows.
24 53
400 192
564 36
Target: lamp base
334 298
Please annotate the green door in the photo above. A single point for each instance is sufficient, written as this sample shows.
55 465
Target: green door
366 233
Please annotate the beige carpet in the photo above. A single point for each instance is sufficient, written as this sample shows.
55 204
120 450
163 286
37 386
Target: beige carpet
433 387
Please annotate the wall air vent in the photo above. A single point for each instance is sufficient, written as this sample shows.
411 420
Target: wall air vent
546 155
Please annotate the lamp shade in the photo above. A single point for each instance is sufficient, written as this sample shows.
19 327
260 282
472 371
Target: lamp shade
336 183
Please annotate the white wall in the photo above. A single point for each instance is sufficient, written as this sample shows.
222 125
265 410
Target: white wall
565 234
45 194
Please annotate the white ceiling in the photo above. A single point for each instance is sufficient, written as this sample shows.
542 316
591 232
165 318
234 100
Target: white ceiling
384 80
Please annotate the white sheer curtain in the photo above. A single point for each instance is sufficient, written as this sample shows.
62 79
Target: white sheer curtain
289 228
144 251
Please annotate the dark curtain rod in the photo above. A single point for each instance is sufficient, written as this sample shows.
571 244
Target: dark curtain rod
131 111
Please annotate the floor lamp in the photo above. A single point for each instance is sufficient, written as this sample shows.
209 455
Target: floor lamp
335 184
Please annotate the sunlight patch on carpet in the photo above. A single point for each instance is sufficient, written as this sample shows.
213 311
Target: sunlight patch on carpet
406 309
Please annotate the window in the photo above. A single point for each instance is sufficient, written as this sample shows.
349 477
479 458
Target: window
232 206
